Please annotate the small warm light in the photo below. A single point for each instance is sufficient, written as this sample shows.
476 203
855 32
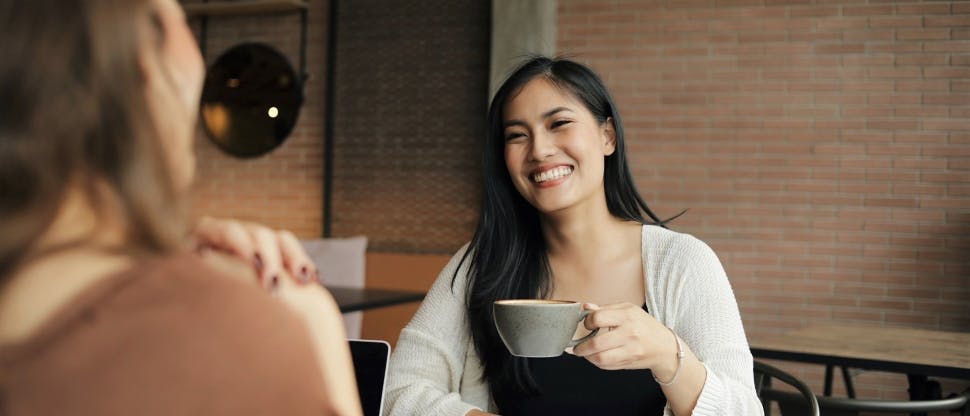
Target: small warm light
218 120
233 82
273 112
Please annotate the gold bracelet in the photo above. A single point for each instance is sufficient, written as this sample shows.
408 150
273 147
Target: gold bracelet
680 361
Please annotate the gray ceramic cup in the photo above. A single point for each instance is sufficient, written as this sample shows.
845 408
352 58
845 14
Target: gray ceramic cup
539 328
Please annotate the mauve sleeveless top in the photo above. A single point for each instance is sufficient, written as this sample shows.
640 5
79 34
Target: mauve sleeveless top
171 336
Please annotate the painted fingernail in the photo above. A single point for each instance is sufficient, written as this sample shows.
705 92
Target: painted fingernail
258 261
274 284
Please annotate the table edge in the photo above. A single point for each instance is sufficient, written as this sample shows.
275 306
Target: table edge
879 365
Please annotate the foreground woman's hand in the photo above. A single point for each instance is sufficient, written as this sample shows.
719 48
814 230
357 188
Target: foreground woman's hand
270 252
315 306
240 248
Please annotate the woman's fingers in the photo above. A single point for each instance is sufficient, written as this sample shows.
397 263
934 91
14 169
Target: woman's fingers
602 341
621 341
606 350
226 235
611 359
609 315
295 259
268 254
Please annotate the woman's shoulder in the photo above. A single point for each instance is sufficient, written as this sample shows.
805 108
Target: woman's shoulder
675 247
174 319
656 237
457 269
157 293
210 296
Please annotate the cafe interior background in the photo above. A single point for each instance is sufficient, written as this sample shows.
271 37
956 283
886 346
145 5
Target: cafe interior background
821 147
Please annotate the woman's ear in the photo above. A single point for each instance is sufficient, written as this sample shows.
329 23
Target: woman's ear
609 137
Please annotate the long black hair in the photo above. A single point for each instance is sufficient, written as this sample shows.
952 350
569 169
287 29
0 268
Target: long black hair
508 252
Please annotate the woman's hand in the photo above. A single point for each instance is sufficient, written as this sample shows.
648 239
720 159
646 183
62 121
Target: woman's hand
270 252
283 266
629 338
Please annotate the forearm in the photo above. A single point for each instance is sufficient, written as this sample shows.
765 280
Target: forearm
322 317
422 376
685 382
434 368
336 363
707 319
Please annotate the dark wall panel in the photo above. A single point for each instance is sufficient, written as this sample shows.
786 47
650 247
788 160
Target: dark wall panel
410 98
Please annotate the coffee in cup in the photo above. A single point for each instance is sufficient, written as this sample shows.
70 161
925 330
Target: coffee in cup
537 327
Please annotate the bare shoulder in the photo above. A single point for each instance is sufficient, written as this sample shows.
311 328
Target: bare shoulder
306 301
307 298
230 266
38 291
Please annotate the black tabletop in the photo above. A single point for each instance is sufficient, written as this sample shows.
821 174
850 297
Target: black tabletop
357 299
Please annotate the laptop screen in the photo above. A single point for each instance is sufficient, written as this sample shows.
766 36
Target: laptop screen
370 367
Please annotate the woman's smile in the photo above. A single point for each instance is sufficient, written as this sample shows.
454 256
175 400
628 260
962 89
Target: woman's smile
549 176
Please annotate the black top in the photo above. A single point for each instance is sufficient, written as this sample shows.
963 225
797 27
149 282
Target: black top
571 385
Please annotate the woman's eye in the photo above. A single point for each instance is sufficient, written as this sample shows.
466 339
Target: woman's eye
560 123
513 136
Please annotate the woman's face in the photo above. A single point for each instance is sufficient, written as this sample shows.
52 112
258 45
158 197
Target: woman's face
554 148
175 72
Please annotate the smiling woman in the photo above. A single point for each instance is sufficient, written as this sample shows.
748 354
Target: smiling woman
562 219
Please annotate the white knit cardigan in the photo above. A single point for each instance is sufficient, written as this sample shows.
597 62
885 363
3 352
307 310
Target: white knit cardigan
435 369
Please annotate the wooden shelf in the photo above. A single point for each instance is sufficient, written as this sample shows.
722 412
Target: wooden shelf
241 7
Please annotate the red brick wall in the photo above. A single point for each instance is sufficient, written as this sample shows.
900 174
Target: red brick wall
822 147
386 165
284 188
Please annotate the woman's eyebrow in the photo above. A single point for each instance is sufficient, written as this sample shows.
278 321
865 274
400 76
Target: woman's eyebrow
514 122
547 114
552 112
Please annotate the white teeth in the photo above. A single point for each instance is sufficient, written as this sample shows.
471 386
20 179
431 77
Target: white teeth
552 174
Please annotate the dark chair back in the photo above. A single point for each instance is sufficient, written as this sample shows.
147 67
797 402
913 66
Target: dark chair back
802 404
792 404
839 406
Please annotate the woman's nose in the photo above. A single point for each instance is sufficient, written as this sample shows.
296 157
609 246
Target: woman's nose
543 146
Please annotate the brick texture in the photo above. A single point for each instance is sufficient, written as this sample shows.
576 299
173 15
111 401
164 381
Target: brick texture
411 78
284 188
821 146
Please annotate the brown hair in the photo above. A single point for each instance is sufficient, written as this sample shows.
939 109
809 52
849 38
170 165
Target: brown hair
75 115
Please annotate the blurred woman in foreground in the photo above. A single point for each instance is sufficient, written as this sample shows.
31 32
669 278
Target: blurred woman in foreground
104 306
